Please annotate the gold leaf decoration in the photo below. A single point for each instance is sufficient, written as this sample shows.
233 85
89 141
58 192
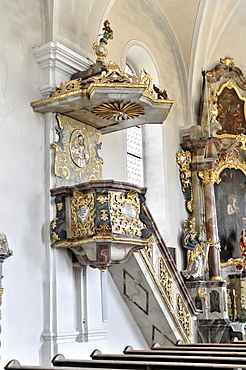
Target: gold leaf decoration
118 111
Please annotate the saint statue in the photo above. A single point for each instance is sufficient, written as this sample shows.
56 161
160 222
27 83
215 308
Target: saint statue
195 253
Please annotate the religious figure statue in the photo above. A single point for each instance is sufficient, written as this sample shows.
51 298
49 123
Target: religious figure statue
195 254
242 243
79 151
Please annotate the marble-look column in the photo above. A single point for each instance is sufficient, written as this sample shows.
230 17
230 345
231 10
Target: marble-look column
209 178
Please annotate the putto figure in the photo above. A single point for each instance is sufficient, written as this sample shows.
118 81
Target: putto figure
191 241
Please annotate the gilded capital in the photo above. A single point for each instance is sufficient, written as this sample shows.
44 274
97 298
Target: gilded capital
209 176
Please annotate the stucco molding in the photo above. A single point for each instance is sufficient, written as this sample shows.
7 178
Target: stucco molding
58 63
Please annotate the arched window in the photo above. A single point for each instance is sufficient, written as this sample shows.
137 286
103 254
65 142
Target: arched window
134 151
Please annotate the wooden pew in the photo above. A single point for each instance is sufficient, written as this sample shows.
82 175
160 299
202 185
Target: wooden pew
156 357
218 347
147 364
185 352
64 364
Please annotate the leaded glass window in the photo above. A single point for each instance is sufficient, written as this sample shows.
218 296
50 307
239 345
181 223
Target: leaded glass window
134 155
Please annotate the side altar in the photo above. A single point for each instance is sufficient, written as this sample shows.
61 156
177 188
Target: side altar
212 173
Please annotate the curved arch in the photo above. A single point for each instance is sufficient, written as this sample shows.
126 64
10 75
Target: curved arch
179 58
230 165
135 52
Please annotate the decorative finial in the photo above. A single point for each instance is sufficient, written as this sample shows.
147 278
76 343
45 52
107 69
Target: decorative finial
227 61
100 49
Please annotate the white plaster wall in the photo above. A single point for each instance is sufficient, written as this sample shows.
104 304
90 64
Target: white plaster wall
21 185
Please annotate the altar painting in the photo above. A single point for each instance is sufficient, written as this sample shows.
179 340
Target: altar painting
230 197
231 114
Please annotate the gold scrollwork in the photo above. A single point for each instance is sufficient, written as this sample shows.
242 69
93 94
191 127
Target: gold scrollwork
183 316
114 74
82 224
104 229
69 86
229 304
55 236
166 281
184 160
102 198
59 206
243 294
232 262
209 177
124 211
61 164
202 292
76 151
215 245
104 215
148 249
241 139
54 223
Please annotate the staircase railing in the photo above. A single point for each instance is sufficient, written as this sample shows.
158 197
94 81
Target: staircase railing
169 282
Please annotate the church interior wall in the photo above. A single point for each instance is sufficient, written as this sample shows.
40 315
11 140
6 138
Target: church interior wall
39 280
41 288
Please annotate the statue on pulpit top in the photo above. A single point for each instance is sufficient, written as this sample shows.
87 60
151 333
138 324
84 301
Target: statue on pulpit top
191 241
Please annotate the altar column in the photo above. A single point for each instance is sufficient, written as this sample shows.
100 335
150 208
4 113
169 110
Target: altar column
209 178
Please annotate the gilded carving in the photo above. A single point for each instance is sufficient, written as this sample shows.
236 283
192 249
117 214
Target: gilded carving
82 214
74 85
229 304
54 223
183 316
102 198
59 206
118 111
209 177
227 61
184 160
55 236
147 80
104 215
100 49
243 294
114 74
166 280
104 229
202 292
148 249
76 151
154 266
124 211
241 139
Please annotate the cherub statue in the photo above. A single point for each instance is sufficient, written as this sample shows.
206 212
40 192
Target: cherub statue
191 241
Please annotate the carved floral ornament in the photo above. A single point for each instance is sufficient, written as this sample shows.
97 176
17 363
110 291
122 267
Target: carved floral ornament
184 160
